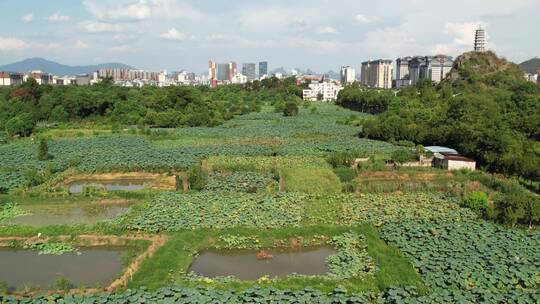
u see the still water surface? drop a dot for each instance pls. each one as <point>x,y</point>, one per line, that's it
<point>89,267</point>
<point>69,214</point>
<point>244,265</point>
<point>109,185</point>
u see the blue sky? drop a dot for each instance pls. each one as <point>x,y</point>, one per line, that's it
<point>319,34</point>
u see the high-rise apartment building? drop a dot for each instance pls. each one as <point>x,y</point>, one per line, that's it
<point>250,71</point>
<point>263,69</point>
<point>416,69</point>
<point>117,74</point>
<point>402,67</point>
<point>221,72</point>
<point>377,74</point>
<point>480,40</point>
<point>434,68</point>
<point>403,78</point>
<point>438,67</point>
<point>348,75</point>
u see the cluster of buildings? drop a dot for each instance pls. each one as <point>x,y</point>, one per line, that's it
<point>42,78</point>
<point>381,73</point>
<point>139,78</point>
<point>408,71</point>
<point>227,73</point>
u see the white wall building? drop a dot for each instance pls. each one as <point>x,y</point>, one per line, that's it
<point>326,91</point>
<point>40,77</point>
<point>239,78</point>
<point>438,67</point>
<point>348,75</point>
<point>453,162</point>
<point>531,77</point>
<point>8,79</point>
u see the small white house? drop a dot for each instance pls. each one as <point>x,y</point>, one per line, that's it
<point>453,162</point>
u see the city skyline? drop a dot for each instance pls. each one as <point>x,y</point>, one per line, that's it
<point>321,35</point>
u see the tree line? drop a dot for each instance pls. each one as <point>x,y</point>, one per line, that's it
<point>23,106</point>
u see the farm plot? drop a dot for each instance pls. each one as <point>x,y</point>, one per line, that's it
<point>310,180</point>
<point>264,163</point>
<point>241,182</point>
<point>380,209</point>
<point>217,210</point>
<point>469,255</point>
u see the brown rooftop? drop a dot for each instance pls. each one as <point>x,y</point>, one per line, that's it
<point>458,158</point>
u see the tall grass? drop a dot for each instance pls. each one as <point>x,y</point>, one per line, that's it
<point>310,180</point>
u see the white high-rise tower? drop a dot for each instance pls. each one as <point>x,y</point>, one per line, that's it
<point>480,40</point>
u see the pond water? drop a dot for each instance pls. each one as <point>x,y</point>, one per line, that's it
<point>109,185</point>
<point>244,265</point>
<point>88,267</point>
<point>57,214</point>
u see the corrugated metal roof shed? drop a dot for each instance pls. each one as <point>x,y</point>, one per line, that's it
<point>439,149</point>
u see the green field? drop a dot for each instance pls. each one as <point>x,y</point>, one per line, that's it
<point>401,235</point>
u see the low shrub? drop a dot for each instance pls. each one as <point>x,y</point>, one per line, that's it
<point>345,174</point>
<point>197,178</point>
<point>342,159</point>
<point>476,201</point>
<point>291,109</point>
<point>61,283</point>
<point>402,156</point>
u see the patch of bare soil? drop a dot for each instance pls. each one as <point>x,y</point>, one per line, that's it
<point>114,202</point>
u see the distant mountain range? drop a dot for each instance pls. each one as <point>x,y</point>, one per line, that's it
<point>55,68</point>
<point>531,66</point>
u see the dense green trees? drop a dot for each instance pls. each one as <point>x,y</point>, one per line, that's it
<point>363,100</point>
<point>21,125</point>
<point>484,109</point>
<point>291,109</point>
<point>23,106</point>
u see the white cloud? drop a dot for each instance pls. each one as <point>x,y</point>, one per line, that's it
<point>326,30</point>
<point>57,17</point>
<point>217,37</point>
<point>100,27</point>
<point>441,49</point>
<point>462,37</point>
<point>27,18</point>
<point>47,46</point>
<point>366,19</point>
<point>390,42</point>
<point>462,32</point>
<point>174,9</point>
<point>122,11</point>
<point>173,34</point>
<point>9,44</point>
<point>80,45</point>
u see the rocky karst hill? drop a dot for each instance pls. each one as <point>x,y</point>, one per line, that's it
<point>483,67</point>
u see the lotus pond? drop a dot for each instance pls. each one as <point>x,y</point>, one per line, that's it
<point>65,214</point>
<point>252,265</point>
<point>25,270</point>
